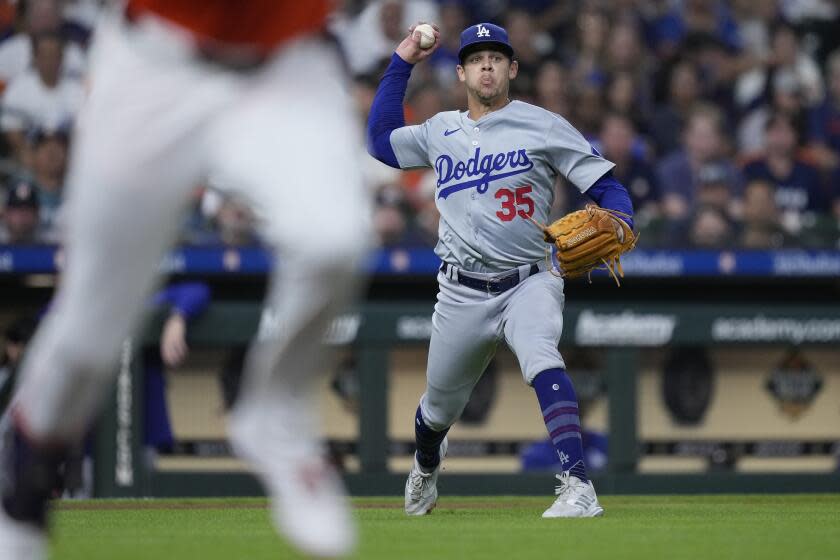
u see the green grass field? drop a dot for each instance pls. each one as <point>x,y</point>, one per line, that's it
<point>792,527</point>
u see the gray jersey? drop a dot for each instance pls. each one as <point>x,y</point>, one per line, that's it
<point>492,174</point>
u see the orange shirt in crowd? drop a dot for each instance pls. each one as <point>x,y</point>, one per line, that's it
<point>261,25</point>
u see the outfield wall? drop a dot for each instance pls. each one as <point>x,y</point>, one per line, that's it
<point>747,440</point>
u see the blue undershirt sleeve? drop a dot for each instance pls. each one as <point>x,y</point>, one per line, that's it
<point>386,112</point>
<point>188,298</point>
<point>609,193</point>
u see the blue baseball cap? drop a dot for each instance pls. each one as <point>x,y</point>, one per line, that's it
<point>484,34</point>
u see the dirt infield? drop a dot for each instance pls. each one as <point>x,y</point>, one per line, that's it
<point>168,504</point>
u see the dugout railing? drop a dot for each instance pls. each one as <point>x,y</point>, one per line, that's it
<point>621,330</point>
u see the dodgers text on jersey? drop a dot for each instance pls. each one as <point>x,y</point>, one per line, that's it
<point>479,169</point>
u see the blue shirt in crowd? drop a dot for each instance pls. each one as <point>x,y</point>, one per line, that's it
<point>801,190</point>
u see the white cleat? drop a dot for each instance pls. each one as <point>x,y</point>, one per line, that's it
<point>575,498</point>
<point>310,507</point>
<point>20,541</point>
<point>308,503</point>
<point>421,492</point>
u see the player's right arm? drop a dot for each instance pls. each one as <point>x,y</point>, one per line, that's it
<point>185,301</point>
<point>407,148</point>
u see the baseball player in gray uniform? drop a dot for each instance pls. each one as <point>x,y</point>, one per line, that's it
<point>496,165</point>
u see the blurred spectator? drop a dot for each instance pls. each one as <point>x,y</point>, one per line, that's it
<point>824,130</point>
<point>761,225</point>
<point>364,89</point>
<point>37,17</point>
<point>669,119</point>
<point>554,18</point>
<point>390,225</point>
<point>808,10</point>
<point>530,48</point>
<point>718,68</point>
<point>629,90</point>
<point>710,228</point>
<point>424,102</point>
<point>20,223</point>
<point>589,109</point>
<point>786,97</point>
<point>755,20</point>
<point>797,184</point>
<point>591,37</point>
<point>821,28</point>
<point>715,187</point>
<point>389,218</point>
<point>551,88</point>
<point>453,20</point>
<point>631,169</point>
<point>486,10</point>
<point>370,38</point>
<point>40,97</point>
<point>426,223</point>
<point>704,143</point>
<point>426,219</point>
<point>623,98</point>
<point>624,49</point>
<point>785,56</point>
<point>695,17</point>
<point>48,153</point>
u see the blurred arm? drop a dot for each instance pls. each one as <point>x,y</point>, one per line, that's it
<point>186,301</point>
<point>188,298</point>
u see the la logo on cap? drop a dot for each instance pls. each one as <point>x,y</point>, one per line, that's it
<point>483,31</point>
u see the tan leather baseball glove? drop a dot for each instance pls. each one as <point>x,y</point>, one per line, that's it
<point>589,239</point>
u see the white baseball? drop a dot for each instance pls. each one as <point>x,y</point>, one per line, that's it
<point>427,35</point>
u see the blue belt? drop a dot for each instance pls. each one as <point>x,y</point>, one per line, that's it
<point>495,286</point>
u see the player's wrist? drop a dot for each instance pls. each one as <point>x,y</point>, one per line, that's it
<point>177,314</point>
<point>402,61</point>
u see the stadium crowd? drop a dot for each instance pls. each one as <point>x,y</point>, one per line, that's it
<point>723,117</point>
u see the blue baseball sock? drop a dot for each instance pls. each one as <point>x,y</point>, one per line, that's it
<point>428,443</point>
<point>560,412</point>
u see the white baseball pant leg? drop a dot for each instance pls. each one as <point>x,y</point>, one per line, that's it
<point>466,328</point>
<point>293,152</point>
<point>133,164</point>
<point>533,324</point>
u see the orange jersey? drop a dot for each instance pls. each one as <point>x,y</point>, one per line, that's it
<point>261,25</point>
